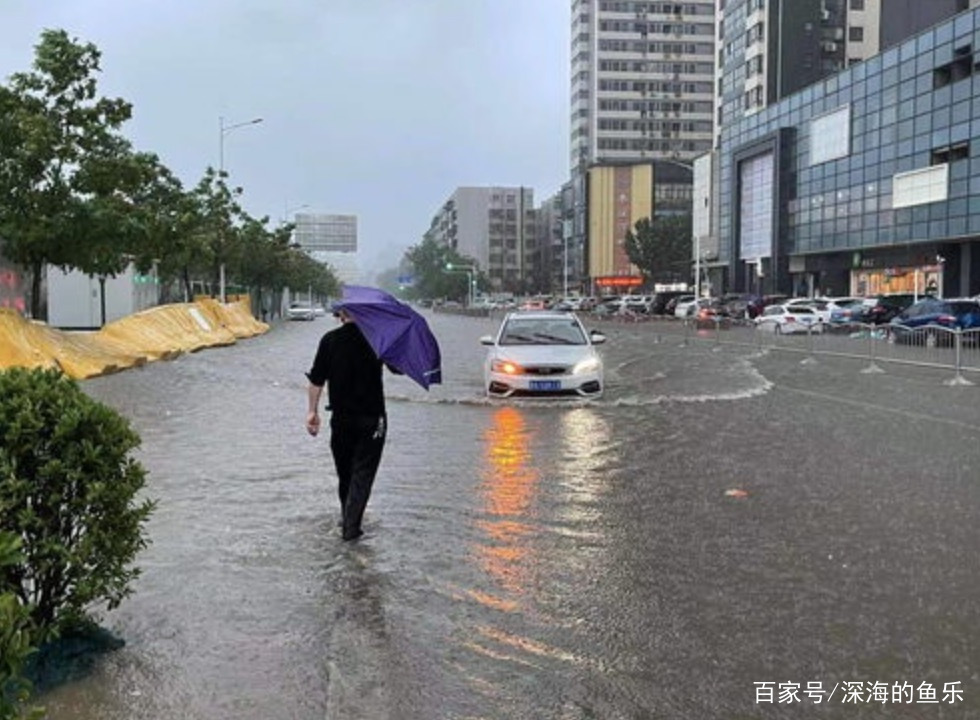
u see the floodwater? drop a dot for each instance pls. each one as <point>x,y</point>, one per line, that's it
<point>719,519</point>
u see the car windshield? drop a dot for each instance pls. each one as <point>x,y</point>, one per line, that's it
<point>540,331</point>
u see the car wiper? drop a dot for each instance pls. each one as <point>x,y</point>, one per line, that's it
<point>508,339</point>
<point>555,339</point>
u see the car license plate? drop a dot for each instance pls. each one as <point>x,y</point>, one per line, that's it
<point>546,385</point>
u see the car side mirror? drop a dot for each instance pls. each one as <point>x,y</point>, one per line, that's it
<point>597,337</point>
<point>486,340</point>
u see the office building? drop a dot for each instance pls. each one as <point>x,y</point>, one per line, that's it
<point>865,182</point>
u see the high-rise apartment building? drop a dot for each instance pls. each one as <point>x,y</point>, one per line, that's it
<point>495,226</point>
<point>642,90</point>
<point>642,80</point>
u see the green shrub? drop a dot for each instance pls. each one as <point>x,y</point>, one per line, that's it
<point>15,639</point>
<point>68,490</point>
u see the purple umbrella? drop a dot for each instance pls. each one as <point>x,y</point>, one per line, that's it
<point>399,335</point>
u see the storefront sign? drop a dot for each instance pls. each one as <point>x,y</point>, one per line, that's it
<point>619,281</point>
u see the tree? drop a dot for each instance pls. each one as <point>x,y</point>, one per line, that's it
<point>430,261</point>
<point>68,490</point>
<point>221,215</point>
<point>58,140</point>
<point>661,248</point>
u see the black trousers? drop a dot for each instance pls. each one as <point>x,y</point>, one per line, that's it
<point>356,443</point>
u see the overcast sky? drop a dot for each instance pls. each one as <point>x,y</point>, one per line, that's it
<point>378,108</point>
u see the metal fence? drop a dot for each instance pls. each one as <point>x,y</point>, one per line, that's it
<point>929,346</point>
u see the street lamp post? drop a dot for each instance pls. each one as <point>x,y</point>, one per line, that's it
<point>697,266</point>
<point>565,269</point>
<point>565,232</point>
<point>222,131</point>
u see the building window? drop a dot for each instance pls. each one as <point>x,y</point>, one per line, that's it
<point>857,5</point>
<point>756,207</point>
<point>960,68</point>
<point>960,151</point>
<point>919,187</point>
<point>855,33</point>
<point>830,136</point>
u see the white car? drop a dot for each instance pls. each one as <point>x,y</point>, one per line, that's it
<point>786,319</point>
<point>300,311</point>
<point>823,306</point>
<point>692,307</point>
<point>683,305</point>
<point>543,354</point>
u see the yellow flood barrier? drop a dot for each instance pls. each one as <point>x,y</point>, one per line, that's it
<point>156,334</point>
<point>19,344</point>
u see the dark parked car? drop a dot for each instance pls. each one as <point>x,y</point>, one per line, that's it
<point>886,307</point>
<point>662,299</point>
<point>756,304</point>
<point>960,314</point>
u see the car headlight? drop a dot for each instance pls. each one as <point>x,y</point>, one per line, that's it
<point>506,367</point>
<point>585,366</point>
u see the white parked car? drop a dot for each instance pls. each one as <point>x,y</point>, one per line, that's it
<point>300,311</point>
<point>823,306</point>
<point>683,305</point>
<point>786,319</point>
<point>693,307</point>
<point>543,354</point>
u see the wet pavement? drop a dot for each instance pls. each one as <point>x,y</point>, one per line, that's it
<point>558,560</point>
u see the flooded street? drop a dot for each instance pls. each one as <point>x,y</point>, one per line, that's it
<point>527,560</point>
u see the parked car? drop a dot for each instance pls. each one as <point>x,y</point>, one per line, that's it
<point>662,299</point>
<point>534,304</point>
<point>693,309</point>
<point>640,304</point>
<point>737,304</point>
<point>943,315</point>
<point>822,306</point>
<point>300,311</point>
<point>671,307</point>
<point>886,307</point>
<point>682,305</point>
<point>543,354</point>
<point>850,312</point>
<point>783,320</point>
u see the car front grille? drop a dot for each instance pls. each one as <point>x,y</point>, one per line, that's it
<point>546,370</point>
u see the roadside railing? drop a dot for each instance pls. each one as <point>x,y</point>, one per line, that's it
<point>929,346</point>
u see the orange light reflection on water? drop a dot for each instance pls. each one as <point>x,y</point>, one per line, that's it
<point>508,488</point>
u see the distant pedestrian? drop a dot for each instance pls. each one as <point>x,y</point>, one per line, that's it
<point>347,364</point>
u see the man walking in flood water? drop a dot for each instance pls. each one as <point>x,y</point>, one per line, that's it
<point>358,422</point>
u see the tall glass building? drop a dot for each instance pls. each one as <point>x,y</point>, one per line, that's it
<point>866,182</point>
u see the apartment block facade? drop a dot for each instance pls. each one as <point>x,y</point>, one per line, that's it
<point>642,90</point>
<point>496,227</point>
